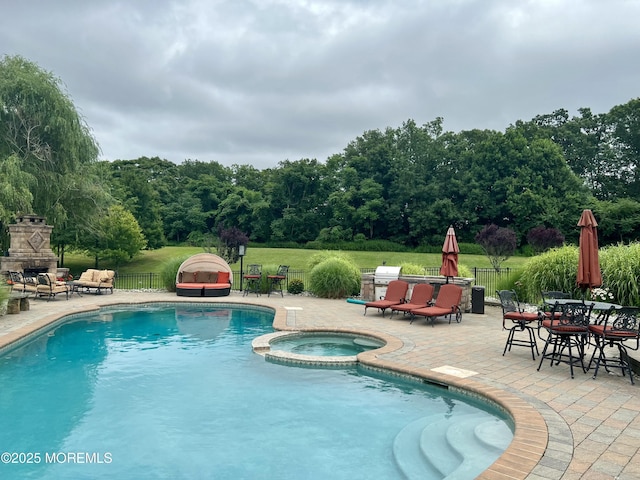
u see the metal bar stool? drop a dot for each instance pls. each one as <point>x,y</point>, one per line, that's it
<point>521,322</point>
<point>621,329</point>
<point>567,327</point>
<point>253,279</point>
<point>276,281</point>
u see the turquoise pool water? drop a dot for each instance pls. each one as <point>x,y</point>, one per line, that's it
<point>172,391</point>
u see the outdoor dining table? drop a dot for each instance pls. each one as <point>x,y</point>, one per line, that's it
<point>600,307</point>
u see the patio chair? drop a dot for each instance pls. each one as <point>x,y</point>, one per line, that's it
<point>276,281</point>
<point>421,296</point>
<point>21,284</point>
<point>620,328</point>
<point>447,304</point>
<point>519,320</point>
<point>49,286</point>
<point>253,279</point>
<point>548,298</point>
<point>395,295</point>
<point>567,328</point>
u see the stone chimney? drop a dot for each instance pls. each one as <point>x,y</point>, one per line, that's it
<point>30,251</point>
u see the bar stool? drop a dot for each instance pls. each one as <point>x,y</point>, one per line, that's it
<point>567,327</point>
<point>521,321</point>
<point>253,279</point>
<point>275,281</point>
<point>620,328</point>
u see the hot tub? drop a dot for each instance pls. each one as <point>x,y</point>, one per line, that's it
<point>315,348</point>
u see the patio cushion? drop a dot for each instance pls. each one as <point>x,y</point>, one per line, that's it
<point>600,330</point>
<point>527,316</point>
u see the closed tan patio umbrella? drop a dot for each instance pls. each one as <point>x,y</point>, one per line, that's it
<point>589,275</point>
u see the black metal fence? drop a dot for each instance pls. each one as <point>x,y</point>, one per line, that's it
<point>486,277</point>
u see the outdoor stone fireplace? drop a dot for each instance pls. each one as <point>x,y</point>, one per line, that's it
<point>30,247</point>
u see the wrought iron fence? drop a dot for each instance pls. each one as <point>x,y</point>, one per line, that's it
<point>486,277</point>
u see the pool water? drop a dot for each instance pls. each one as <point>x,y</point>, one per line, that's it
<point>172,391</point>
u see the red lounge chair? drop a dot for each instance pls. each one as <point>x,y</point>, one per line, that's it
<point>421,296</point>
<point>447,303</point>
<point>396,294</point>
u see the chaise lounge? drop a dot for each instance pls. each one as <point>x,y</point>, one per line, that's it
<point>447,304</point>
<point>395,295</point>
<point>421,296</point>
<point>204,275</point>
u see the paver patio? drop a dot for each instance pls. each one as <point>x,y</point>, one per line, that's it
<point>565,429</point>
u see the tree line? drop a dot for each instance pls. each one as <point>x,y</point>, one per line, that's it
<point>405,184</point>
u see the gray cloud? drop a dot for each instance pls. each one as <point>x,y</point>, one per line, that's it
<point>261,81</point>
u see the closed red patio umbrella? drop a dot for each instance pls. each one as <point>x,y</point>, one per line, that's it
<point>589,274</point>
<point>450,252</point>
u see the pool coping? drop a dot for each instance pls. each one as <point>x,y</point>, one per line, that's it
<point>531,434</point>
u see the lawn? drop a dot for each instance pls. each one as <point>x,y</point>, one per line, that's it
<point>152,261</point>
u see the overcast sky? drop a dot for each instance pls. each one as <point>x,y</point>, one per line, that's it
<point>262,81</point>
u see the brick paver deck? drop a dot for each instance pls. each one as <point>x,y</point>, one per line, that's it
<point>565,429</point>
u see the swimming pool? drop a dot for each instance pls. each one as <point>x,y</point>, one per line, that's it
<point>170,391</point>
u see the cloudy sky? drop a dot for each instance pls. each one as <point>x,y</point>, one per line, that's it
<point>262,81</point>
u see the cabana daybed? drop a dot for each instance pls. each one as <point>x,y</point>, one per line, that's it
<point>204,275</point>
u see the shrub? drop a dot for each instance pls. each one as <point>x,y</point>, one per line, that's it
<point>229,242</point>
<point>511,281</point>
<point>364,245</point>
<point>264,281</point>
<point>320,257</point>
<point>620,267</point>
<point>296,286</point>
<point>5,292</point>
<point>555,269</point>
<point>464,271</point>
<point>170,271</point>
<point>334,278</point>
<point>411,269</point>
<point>359,237</point>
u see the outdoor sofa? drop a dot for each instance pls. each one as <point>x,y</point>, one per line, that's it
<point>96,280</point>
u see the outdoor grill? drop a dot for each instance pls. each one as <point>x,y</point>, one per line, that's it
<point>381,278</point>
<point>385,274</point>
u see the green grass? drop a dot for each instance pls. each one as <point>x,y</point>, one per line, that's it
<point>152,261</point>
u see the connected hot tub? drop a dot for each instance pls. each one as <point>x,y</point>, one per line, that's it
<point>315,348</point>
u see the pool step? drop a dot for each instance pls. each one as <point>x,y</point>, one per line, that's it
<point>441,446</point>
<point>408,454</point>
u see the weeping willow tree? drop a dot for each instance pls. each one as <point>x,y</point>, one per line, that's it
<point>47,154</point>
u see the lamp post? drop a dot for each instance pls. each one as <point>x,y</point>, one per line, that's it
<point>241,253</point>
